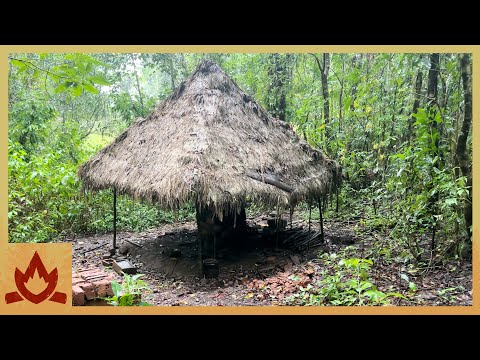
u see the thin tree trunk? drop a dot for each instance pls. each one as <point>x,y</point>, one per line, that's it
<point>324,78</point>
<point>279,72</point>
<point>432,101</point>
<point>138,84</point>
<point>326,101</point>
<point>389,148</point>
<point>416,103</point>
<point>355,86</point>
<point>462,155</point>
<point>340,99</point>
<point>172,71</point>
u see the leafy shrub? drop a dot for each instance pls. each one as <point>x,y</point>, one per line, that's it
<point>46,201</point>
<point>129,292</point>
<point>346,283</point>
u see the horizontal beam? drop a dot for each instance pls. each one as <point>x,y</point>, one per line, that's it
<point>267,179</point>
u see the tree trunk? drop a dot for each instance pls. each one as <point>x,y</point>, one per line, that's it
<point>462,156</point>
<point>432,101</point>
<point>433,79</point>
<point>140,95</point>
<point>279,72</point>
<point>326,101</point>
<point>324,78</point>
<point>215,234</point>
<point>416,103</point>
<point>355,85</point>
<point>340,99</point>
<point>172,71</point>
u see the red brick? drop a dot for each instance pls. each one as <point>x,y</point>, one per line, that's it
<point>78,296</point>
<point>80,284</point>
<point>77,280</point>
<point>110,276</point>
<point>103,288</point>
<point>88,289</point>
<point>94,278</point>
<point>89,270</point>
<point>92,274</point>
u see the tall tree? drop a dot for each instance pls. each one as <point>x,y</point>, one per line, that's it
<point>324,68</point>
<point>355,59</point>
<point>139,88</point>
<point>432,92</point>
<point>416,103</point>
<point>461,152</point>
<point>279,73</point>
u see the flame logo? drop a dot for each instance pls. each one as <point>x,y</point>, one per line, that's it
<point>50,279</point>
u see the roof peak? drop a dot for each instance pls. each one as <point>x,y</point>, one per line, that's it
<point>207,66</point>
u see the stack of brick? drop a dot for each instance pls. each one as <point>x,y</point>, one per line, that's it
<point>91,283</point>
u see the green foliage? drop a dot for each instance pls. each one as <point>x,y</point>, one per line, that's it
<point>449,294</point>
<point>46,200</point>
<point>129,292</point>
<point>401,177</point>
<point>41,195</point>
<point>346,283</point>
<point>73,76</point>
<point>423,177</point>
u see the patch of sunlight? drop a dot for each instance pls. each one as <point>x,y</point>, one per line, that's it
<point>94,142</point>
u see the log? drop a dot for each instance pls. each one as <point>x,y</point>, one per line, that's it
<point>268,179</point>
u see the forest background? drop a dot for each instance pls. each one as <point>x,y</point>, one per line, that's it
<point>398,124</point>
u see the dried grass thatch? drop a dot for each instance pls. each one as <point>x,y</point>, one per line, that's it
<point>207,143</point>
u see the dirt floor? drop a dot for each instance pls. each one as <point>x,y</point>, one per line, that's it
<point>260,272</point>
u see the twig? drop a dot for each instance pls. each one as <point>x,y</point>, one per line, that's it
<point>133,243</point>
<point>31,65</point>
<point>95,248</point>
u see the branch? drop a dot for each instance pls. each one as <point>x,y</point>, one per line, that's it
<point>338,77</point>
<point>318,62</point>
<point>31,65</point>
<point>268,180</point>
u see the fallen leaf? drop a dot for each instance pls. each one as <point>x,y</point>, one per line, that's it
<point>249,295</point>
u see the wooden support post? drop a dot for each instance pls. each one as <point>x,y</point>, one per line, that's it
<point>336,193</point>
<point>309,216</point>
<point>321,219</point>
<point>291,217</point>
<point>276,233</point>
<point>114,248</point>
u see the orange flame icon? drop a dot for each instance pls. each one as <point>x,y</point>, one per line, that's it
<point>50,279</point>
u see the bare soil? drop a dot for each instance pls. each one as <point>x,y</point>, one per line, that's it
<point>178,281</point>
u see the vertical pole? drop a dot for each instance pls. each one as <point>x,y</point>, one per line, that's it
<point>277,223</point>
<point>276,235</point>
<point>309,216</point>
<point>114,249</point>
<point>321,219</point>
<point>291,218</point>
<point>214,244</point>
<point>336,193</point>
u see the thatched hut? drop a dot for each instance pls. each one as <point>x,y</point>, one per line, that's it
<point>211,144</point>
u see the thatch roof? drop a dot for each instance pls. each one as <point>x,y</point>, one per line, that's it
<point>210,142</point>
